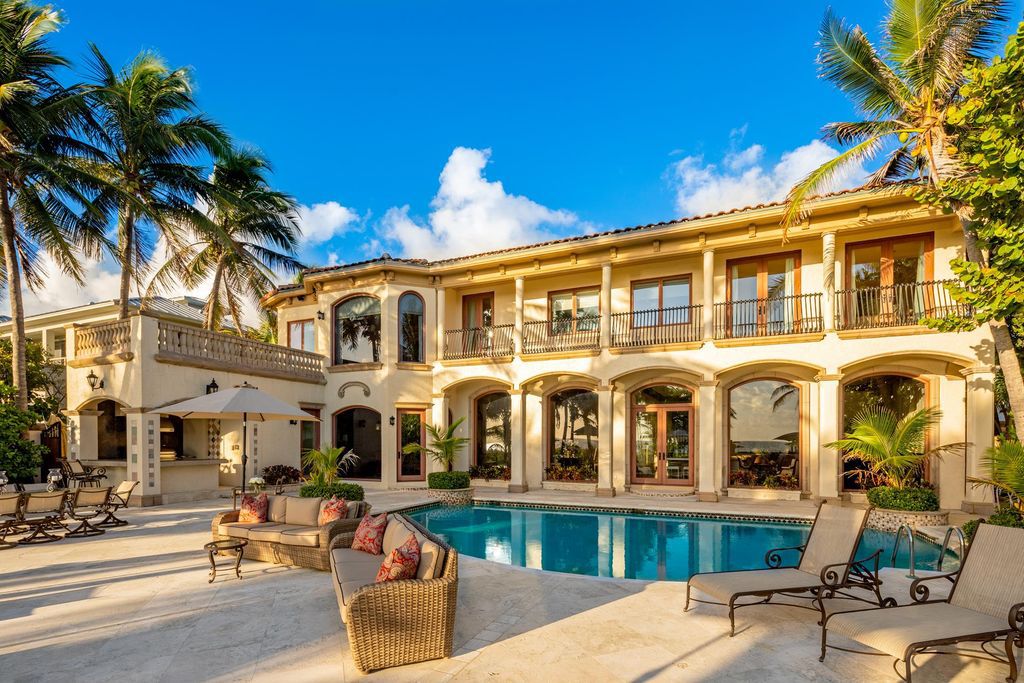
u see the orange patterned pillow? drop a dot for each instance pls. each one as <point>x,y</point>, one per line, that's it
<point>333,510</point>
<point>370,534</point>
<point>401,563</point>
<point>253,510</point>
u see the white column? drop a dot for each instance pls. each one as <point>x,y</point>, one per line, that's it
<point>518,482</point>
<point>82,434</point>
<point>606,305</point>
<point>441,296</point>
<point>980,428</point>
<point>46,339</point>
<point>605,422</point>
<point>517,331</point>
<point>439,418</point>
<point>828,280</point>
<point>829,469</point>
<point>533,437</point>
<point>707,439</point>
<point>708,286</point>
<point>143,441</point>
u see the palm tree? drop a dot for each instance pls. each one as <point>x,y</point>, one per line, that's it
<point>257,232</point>
<point>904,92</point>
<point>1005,465</point>
<point>151,134</point>
<point>444,444</point>
<point>43,179</point>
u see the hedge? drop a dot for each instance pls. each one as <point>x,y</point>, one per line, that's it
<point>448,480</point>
<point>910,499</point>
<point>340,489</point>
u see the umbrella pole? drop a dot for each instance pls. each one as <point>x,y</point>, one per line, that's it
<point>245,429</point>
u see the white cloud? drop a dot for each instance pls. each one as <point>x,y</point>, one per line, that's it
<point>471,214</point>
<point>102,283</point>
<point>321,222</point>
<point>742,180</point>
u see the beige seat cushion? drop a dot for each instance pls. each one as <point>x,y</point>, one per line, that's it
<point>276,506</point>
<point>272,532</point>
<point>352,569</point>
<point>723,585</point>
<point>303,511</point>
<point>892,630</point>
<point>395,534</point>
<point>308,536</point>
<point>241,529</point>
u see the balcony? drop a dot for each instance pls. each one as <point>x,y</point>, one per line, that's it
<point>768,317</point>
<point>108,340</point>
<point>479,342</point>
<point>562,334</point>
<point>656,327</point>
<point>895,305</point>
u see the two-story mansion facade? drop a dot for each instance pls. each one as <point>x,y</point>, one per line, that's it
<point>705,355</point>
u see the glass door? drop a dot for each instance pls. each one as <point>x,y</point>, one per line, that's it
<point>662,441</point>
<point>677,446</point>
<point>646,458</point>
<point>477,320</point>
<point>411,466</point>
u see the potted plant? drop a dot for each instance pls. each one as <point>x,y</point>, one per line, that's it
<point>1005,465</point>
<point>892,451</point>
<point>324,467</point>
<point>448,487</point>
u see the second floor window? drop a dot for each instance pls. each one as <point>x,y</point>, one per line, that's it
<point>357,330</point>
<point>410,328</point>
<point>575,310</point>
<point>661,302</point>
<point>301,335</point>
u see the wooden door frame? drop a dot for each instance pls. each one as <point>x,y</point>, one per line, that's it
<point>661,298</point>
<point>660,408</point>
<point>423,439</point>
<point>478,296</point>
<point>885,265</point>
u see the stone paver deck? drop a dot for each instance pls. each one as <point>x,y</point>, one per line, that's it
<point>134,604</point>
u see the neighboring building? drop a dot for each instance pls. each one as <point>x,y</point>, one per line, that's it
<point>703,355</point>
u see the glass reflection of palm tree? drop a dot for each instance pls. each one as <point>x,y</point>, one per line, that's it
<point>352,331</point>
<point>498,421</point>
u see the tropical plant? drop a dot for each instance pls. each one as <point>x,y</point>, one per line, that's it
<point>892,449</point>
<point>1005,466</point>
<point>1005,516</point>
<point>906,92</point>
<point>448,480</point>
<point>444,444</point>
<point>276,475</point>
<point>19,457</point>
<point>151,136</point>
<point>257,233</point>
<point>44,377</point>
<point>326,464</point>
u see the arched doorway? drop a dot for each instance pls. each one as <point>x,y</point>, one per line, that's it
<point>111,431</point>
<point>492,430</point>
<point>661,435</point>
<point>358,430</point>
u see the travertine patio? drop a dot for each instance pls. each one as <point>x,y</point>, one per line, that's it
<point>134,604</point>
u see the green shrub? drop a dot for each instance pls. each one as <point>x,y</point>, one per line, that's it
<point>915,499</point>
<point>1005,516</point>
<point>581,473</point>
<point>448,480</point>
<point>488,472</point>
<point>18,456</point>
<point>341,489</point>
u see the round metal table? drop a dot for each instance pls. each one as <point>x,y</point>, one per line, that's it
<point>236,544</point>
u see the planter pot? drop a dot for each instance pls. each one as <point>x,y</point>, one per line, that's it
<point>569,486</point>
<point>891,520</point>
<point>452,496</point>
<point>763,494</point>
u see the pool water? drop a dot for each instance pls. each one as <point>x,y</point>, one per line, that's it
<point>631,546</point>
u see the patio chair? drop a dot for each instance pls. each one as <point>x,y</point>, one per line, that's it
<point>85,506</point>
<point>986,604</point>
<point>826,570</point>
<point>42,511</point>
<point>75,471</point>
<point>119,498</point>
<point>10,509</point>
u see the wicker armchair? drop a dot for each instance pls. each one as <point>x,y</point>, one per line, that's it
<point>400,622</point>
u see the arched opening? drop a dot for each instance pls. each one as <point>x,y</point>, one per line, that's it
<point>662,435</point>
<point>358,430</point>
<point>357,330</point>
<point>764,434</point>
<point>111,431</point>
<point>410,328</point>
<point>572,419</point>
<point>899,393</point>
<point>492,433</point>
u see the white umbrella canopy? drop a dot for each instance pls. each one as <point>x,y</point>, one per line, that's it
<point>244,403</point>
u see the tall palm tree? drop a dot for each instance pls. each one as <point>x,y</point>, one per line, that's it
<point>44,185</point>
<point>257,233</point>
<point>904,91</point>
<point>153,136</point>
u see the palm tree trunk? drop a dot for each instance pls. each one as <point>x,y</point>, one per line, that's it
<point>210,320</point>
<point>236,314</point>
<point>19,363</point>
<point>127,232</point>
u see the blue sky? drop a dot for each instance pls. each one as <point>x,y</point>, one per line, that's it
<point>597,115</point>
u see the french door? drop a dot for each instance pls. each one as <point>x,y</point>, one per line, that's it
<point>762,295</point>
<point>477,322</point>
<point>663,444</point>
<point>411,430</point>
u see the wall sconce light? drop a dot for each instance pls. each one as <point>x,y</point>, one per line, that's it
<point>391,420</point>
<point>319,315</point>
<point>95,382</point>
<point>212,387</point>
<point>293,422</point>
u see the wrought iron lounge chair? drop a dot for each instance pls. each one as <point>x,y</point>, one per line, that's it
<point>10,522</point>
<point>41,512</point>
<point>119,498</point>
<point>986,604</point>
<point>75,471</point>
<point>826,570</point>
<point>85,506</point>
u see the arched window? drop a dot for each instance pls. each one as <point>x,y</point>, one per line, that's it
<point>902,395</point>
<point>357,330</point>
<point>493,433</point>
<point>358,430</point>
<point>572,435</point>
<point>410,328</point>
<point>764,434</point>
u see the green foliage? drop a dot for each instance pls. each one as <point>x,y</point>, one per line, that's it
<point>1005,466</point>
<point>916,499</point>
<point>19,457</point>
<point>581,472</point>
<point>444,445</point>
<point>1004,516</point>
<point>448,480</point>
<point>45,377</point>
<point>325,465</point>
<point>341,489</point>
<point>281,474</point>
<point>499,472</point>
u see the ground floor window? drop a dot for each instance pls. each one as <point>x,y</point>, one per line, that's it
<point>764,434</point>
<point>358,430</point>
<point>412,428</point>
<point>492,446</point>
<point>572,435</point>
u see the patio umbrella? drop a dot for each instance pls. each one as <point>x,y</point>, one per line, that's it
<point>244,403</point>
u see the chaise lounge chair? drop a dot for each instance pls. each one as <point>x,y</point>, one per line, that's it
<point>119,498</point>
<point>986,604</point>
<point>826,569</point>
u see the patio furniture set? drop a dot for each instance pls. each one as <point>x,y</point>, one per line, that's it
<point>40,516</point>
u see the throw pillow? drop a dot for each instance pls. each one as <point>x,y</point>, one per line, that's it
<point>401,563</point>
<point>254,509</point>
<point>370,534</point>
<point>333,510</point>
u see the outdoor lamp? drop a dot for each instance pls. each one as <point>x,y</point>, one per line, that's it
<point>53,479</point>
<point>95,382</point>
<point>391,420</point>
<point>319,315</point>
<point>212,387</point>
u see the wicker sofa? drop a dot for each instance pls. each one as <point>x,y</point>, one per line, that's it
<point>396,622</point>
<point>291,535</point>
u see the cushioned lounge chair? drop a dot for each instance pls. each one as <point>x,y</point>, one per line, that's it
<point>119,498</point>
<point>75,471</point>
<point>826,570</point>
<point>42,512</point>
<point>10,513</point>
<point>986,604</point>
<point>86,505</point>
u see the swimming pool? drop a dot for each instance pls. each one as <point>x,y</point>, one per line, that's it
<point>631,546</point>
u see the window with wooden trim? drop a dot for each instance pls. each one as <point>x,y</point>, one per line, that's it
<point>575,310</point>
<point>302,335</point>
<point>664,301</point>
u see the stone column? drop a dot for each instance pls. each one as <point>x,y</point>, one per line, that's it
<point>708,298</point>
<point>606,305</point>
<point>829,461</point>
<point>605,432</point>
<point>533,438</point>
<point>517,330</point>
<point>707,439</point>
<point>143,441</point>
<point>980,435</point>
<point>82,434</point>
<point>441,295</point>
<point>438,418</point>
<point>828,280</point>
<point>518,482</point>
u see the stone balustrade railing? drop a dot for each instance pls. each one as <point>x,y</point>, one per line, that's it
<point>103,339</point>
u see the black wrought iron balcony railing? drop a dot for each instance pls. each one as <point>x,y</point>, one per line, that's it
<point>656,326</point>
<point>478,342</point>
<point>895,305</point>
<point>768,317</point>
<point>562,334</point>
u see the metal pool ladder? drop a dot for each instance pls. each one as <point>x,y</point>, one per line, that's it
<point>910,541</point>
<point>945,546</point>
